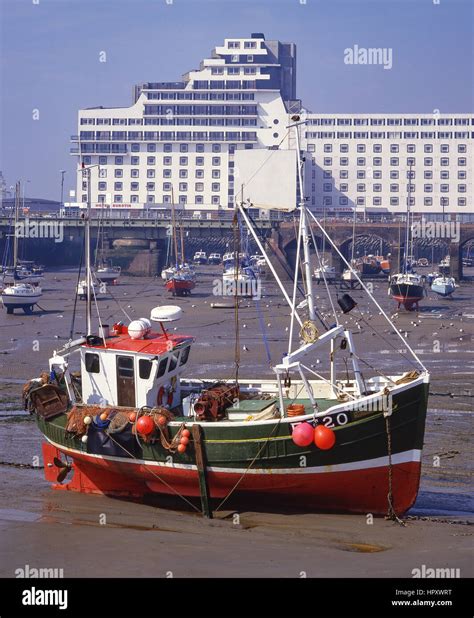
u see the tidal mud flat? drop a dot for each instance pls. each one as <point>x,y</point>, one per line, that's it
<point>42,527</point>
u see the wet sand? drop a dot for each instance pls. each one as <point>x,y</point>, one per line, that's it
<point>42,527</point>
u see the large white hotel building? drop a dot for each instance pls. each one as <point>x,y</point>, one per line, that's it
<point>178,141</point>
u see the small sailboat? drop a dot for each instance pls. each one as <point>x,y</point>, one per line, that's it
<point>444,285</point>
<point>324,272</point>
<point>180,279</point>
<point>407,287</point>
<point>104,270</point>
<point>20,293</point>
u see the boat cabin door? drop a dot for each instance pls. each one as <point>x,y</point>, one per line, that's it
<point>125,381</point>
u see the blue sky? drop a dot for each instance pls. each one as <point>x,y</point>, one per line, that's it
<point>50,61</point>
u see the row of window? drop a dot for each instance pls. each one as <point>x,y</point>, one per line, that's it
<point>198,96</point>
<point>233,70</point>
<point>394,187</point>
<point>392,121</point>
<point>125,364</point>
<point>378,161</point>
<point>151,199</point>
<point>202,110</point>
<point>394,201</point>
<point>167,122</point>
<point>388,135</point>
<point>246,44</point>
<point>444,148</point>
<point>394,174</point>
<point>150,186</point>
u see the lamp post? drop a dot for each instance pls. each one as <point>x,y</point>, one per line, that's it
<point>62,172</point>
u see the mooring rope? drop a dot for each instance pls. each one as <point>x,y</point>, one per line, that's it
<point>391,514</point>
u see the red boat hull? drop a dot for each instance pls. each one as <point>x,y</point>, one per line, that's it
<point>359,487</point>
<point>180,287</point>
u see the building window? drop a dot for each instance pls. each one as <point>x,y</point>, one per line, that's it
<point>428,161</point>
<point>198,199</point>
<point>428,188</point>
<point>135,148</point>
<point>183,173</point>
<point>150,186</point>
<point>216,173</point>
<point>461,188</point>
<point>462,201</point>
<point>215,199</point>
<point>343,201</point>
<point>199,173</point>
<point>444,175</point>
<point>394,161</point>
<point>462,148</point>
<point>215,161</point>
<point>411,148</point>
<point>102,160</point>
<point>462,175</point>
<point>411,161</point>
<point>377,188</point>
<point>327,147</point>
<point>343,187</point>
<point>444,148</point>
<point>151,147</point>
<point>360,187</point>
<point>327,200</point>
<point>118,173</point>
<point>118,161</point>
<point>360,173</point>
<point>377,174</point>
<point>444,188</point>
<point>428,148</point>
<point>327,174</point>
<point>361,201</point>
<point>377,201</point>
<point>118,186</point>
<point>150,161</point>
<point>118,199</point>
<point>393,174</point>
<point>216,148</point>
<point>199,147</point>
<point>183,199</point>
<point>134,186</point>
<point>461,161</point>
<point>327,187</point>
<point>102,186</point>
<point>183,186</point>
<point>360,147</point>
<point>444,161</point>
<point>167,147</point>
<point>102,173</point>
<point>377,161</point>
<point>183,160</point>
<point>199,186</point>
<point>444,201</point>
<point>150,173</point>
<point>410,174</point>
<point>394,188</point>
<point>428,201</point>
<point>428,175</point>
<point>344,148</point>
<point>360,160</point>
<point>166,174</point>
<point>377,148</point>
<point>344,174</point>
<point>166,186</point>
<point>344,161</point>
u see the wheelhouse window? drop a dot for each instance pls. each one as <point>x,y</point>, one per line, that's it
<point>144,368</point>
<point>184,356</point>
<point>125,366</point>
<point>92,363</point>
<point>173,361</point>
<point>162,367</point>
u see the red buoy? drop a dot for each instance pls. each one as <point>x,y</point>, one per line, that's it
<point>186,433</point>
<point>145,425</point>
<point>162,420</point>
<point>184,440</point>
<point>132,417</point>
<point>181,448</point>
<point>324,437</point>
<point>303,434</point>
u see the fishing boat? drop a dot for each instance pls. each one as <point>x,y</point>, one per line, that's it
<point>324,272</point>
<point>180,277</point>
<point>445,265</point>
<point>368,265</point>
<point>200,257</point>
<point>132,424</point>
<point>108,273</point>
<point>215,258</point>
<point>407,287</point>
<point>444,285</point>
<point>181,283</point>
<point>18,292</point>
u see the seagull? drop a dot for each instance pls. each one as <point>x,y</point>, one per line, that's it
<point>245,348</point>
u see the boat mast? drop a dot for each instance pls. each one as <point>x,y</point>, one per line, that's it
<point>408,235</point>
<point>87,252</point>
<point>173,225</point>
<point>304,225</point>
<point>353,234</point>
<point>15,227</point>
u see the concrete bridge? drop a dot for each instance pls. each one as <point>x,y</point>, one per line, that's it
<point>139,244</point>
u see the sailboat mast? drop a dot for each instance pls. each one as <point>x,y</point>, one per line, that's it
<point>353,234</point>
<point>304,229</point>
<point>87,251</point>
<point>173,225</point>
<point>407,237</point>
<point>15,227</point>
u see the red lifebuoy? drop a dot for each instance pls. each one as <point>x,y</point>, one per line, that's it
<point>159,397</point>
